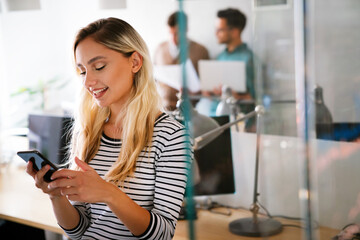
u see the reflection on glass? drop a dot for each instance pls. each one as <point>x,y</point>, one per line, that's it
<point>323,118</point>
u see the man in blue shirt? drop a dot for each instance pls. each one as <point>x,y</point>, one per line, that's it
<point>229,26</point>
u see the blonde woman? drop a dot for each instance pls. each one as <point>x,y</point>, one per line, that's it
<point>129,160</point>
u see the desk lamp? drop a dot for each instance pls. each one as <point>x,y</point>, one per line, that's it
<point>201,124</point>
<point>253,226</point>
<point>228,104</point>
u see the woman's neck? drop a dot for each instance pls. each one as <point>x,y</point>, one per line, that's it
<point>112,130</point>
<point>114,123</point>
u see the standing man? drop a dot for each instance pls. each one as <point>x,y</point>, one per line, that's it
<point>167,53</point>
<point>229,26</point>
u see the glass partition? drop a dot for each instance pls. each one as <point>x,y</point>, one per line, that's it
<point>333,62</point>
<point>306,62</point>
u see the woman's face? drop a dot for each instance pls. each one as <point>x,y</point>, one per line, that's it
<point>107,74</point>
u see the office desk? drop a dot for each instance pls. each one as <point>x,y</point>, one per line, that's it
<point>212,226</point>
<point>22,202</point>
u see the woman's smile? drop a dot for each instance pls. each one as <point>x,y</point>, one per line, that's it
<point>99,92</point>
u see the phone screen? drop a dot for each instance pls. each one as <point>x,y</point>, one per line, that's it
<point>38,161</point>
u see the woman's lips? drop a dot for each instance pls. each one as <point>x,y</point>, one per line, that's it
<point>99,92</point>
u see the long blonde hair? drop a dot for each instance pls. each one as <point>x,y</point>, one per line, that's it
<point>140,111</point>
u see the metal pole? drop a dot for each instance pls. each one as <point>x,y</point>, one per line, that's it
<point>255,208</point>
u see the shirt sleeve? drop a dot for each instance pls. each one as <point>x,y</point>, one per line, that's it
<point>170,183</point>
<point>84,222</point>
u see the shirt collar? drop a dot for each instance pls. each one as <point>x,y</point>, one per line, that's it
<point>238,48</point>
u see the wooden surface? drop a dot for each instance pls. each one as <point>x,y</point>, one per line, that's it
<point>22,202</point>
<point>211,226</point>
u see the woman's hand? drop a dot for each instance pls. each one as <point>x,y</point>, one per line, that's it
<point>39,180</point>
<point>85,185</point>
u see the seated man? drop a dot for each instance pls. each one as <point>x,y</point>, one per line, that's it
<point>167,53</point>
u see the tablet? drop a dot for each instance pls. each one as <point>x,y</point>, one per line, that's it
<point>171,75</point>
<point>213,73</point>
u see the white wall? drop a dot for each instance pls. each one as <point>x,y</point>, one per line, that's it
<point>335,167</point>
<point>38,43</point>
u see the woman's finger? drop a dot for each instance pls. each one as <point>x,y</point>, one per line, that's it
<point>74,197</point>
<point>40,174</point>
<point>62,183</point>
<point>69,191</point>
<point>40,180</point>
<point>83,165</point>
<point>30,170</point>
<point>64,173</point>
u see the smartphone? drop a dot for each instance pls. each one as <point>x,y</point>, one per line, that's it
<point>38,161</point>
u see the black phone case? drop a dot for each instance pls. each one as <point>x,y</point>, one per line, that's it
<point>38,161</point>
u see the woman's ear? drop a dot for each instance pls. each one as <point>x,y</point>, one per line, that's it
<point>137,61</point>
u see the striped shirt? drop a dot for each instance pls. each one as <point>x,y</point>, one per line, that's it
<point>157,185</point>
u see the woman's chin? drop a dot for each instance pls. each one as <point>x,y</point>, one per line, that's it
<point>102,104</point>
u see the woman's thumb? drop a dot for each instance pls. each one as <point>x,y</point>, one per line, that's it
<point>82,165</point>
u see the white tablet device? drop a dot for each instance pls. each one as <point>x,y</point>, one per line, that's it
<point>213,73</point>
<point>171,75</point>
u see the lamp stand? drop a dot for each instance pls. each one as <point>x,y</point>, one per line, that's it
<point>255,226</point>
<point>261,228</point>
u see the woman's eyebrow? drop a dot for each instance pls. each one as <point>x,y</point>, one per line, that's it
<point>95,59</point>
<point>92,60</point>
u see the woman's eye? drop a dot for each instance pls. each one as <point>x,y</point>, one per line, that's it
<point>82,73</point>
<point>99,68</point>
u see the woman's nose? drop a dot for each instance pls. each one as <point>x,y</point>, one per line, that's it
<point>89,80</point>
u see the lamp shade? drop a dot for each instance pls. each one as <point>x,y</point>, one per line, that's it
<point>224,107</point>
<point>201,124</point>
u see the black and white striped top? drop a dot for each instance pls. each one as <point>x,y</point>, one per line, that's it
<point>158,185</point>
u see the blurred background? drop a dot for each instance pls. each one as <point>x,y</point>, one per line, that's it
<point>307,78</point>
